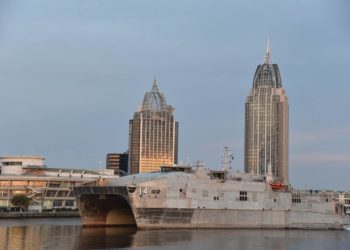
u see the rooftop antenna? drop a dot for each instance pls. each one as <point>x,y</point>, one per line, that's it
<point>226,159</point>
<point>155,85</point>
<point>267,58</point>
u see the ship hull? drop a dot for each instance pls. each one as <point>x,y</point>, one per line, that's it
<point>156,218</point>
<point>197,201</point>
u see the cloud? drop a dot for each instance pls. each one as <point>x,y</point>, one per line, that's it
<point>320,158</point>
<point>318,135</point>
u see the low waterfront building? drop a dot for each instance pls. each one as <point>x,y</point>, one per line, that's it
<point>48,188</point>
<point>118,162</point>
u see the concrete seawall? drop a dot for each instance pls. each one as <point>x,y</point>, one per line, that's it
<point>7,215</point>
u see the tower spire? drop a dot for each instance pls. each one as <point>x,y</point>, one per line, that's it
<point>267,58</point>
<point>155,85</point>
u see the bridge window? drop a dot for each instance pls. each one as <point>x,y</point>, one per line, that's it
<point>219,175</point>
<point>243,195</point>
<point>12,163</point>
<point>296,198</point>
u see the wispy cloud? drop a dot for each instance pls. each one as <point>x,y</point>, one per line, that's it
<point>319,135</point>
<point>320,158</point>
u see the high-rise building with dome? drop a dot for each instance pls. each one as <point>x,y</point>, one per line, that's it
<point>153,134</point>
<point>266,123</point>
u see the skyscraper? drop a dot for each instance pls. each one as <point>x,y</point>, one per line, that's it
<point>266,123</point>
<point>153,134</point>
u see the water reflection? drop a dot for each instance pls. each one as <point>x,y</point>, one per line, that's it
<point>69,234</point>
<point>38,236</point>
<point>106,237</point>
<point>129,237</point>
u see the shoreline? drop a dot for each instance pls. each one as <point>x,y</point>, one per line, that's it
<point>63,214</point>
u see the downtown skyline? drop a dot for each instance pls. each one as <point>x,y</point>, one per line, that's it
<point>71,77</point>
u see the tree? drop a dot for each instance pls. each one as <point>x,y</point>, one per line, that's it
<point>21,201</point>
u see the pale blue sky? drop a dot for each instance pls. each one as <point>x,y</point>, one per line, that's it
<point>73,72</point>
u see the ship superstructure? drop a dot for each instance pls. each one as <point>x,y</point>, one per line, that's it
<point>186,197</point>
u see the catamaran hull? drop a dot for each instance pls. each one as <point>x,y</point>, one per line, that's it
<point>153,218</point>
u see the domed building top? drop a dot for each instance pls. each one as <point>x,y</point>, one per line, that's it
<point>154,100</point>
<point>267,73</point>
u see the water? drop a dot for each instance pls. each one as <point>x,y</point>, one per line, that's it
<point>69,234</point>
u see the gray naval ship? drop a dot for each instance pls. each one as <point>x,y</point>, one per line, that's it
<point>197,197</point>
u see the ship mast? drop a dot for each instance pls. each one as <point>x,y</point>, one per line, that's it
<point>226,159</point>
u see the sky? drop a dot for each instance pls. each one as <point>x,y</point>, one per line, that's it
<point>73,72</point>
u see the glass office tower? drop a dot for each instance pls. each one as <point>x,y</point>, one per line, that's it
<point>153,134</point>
<point>266,123</point>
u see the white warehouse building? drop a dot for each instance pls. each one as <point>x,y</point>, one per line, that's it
<point>48,188</point>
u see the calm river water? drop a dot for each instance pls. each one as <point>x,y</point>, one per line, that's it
<point>69,234</point>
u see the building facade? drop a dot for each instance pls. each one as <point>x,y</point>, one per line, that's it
<point>266,123</point>
<point>118,162</point>
<point>153,134</point>
<point>47,188</point>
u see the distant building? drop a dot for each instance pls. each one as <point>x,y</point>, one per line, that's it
<point>153,134</point>
<point>118,162</point>
<point>266,123</point>
<point>48,188</point>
